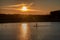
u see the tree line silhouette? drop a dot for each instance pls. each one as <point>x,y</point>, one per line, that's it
<point>53,17</point>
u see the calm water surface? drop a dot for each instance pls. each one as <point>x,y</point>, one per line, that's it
<point>30,31</point>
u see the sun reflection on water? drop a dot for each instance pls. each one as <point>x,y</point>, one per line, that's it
<point>24,32</point>
<point>24,29</point>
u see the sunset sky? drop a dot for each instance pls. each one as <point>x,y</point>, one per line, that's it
<point>37,7</point>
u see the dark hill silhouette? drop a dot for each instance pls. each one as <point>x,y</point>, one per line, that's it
<point>55,15</point>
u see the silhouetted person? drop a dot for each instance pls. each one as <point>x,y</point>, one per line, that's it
<point>36,26</point>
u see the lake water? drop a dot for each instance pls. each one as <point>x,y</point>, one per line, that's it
<point>30,31</point>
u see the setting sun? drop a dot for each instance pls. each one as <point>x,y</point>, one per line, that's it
<point>24,8</point>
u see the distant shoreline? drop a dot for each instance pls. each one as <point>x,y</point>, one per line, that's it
<point>53,17</point>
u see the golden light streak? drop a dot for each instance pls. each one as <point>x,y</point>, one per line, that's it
<point>24,26</point>
<point>24,32</point>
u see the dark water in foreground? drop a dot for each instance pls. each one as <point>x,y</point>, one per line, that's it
<point>28,31</point>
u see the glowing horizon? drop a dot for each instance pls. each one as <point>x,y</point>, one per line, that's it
<point>38,7</point>
<point>22,9</point>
